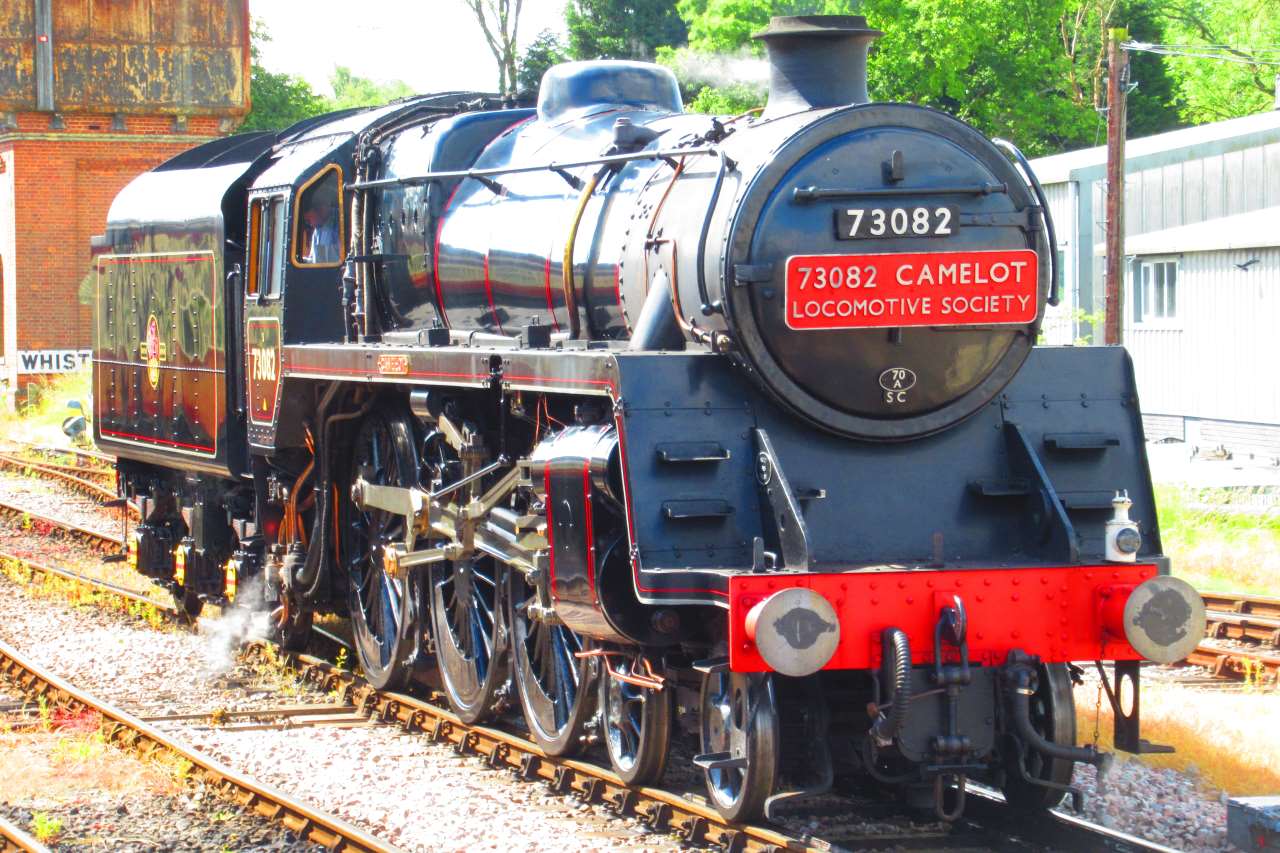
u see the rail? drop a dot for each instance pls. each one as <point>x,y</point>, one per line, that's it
<point>12,838</point>
<point>96,539</point>
<point>61,473</point>
<point>656,808</point>
<point>129,732</point>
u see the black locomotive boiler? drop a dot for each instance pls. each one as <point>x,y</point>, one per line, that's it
<point>650,422</point>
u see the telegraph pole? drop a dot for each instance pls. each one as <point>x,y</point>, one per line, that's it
<point>1117,85</point>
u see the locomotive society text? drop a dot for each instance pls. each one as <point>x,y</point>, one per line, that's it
<point>912,289</point>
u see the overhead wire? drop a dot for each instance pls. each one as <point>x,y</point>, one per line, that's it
<point>1221,53</point>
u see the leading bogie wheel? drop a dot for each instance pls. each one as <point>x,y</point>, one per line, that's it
<point>386,611</point>
<point>1053,715</point>
<point>554,682</point>
<point>637,722</point>
<point>739,728</point>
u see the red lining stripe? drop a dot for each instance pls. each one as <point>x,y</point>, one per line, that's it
<point>159,259</point>
<point>426,374</point>
<point>631,527</point>
<point>152,440</point>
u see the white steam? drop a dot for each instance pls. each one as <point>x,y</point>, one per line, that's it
<point>719,69</point>
<point>222,637</point>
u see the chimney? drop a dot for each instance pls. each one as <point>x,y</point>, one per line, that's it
<point>816,61</point>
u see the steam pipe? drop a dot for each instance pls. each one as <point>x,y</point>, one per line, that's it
<point>707,307</point>
<point>897,666</point>
<point>1022,688</point>
<point>566,270</point>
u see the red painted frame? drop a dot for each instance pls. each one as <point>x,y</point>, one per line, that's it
<point>1054,612</point>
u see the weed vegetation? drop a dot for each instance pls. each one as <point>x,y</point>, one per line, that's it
<point>41,421</point>
<point>1222,540</point>
<point>1223,736</point>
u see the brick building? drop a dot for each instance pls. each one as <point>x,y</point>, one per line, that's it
<point>92,93</point>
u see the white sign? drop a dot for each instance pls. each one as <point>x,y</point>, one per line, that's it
<point>53,360</point>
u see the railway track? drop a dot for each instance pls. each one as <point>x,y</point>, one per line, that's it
<point>1253,621</point>
<point>14,840</point>
<point>41,524</point>
<point>129,732</point>
<point>989,823</point>
<point>1250,666</point>
<point>73,478</point>
<point>1242,617</point>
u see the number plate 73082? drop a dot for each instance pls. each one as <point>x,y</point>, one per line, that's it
<point>878,223</point>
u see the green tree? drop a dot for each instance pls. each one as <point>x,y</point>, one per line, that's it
<point>350,90</point>
<point>278,100</point>
<point>622,29</point>
<point>1244,34</point>
<point>545,51</point>
<point>1030,70</point>
<point>1153,104</point>
<point>732,99</point>
<point>726,26</point>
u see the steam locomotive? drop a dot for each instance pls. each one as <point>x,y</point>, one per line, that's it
<point>650,422</point>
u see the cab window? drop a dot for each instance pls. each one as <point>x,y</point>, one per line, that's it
<point>317,235</point>
<point>266,258</point>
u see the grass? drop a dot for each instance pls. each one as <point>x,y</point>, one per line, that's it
<point>1217,546</point>
<point>45,827</point>
<point>1224,740</point>
<point>79,596</point>
<point>41,423</point>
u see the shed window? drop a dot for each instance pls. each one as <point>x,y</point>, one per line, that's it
<point>1155,291</point>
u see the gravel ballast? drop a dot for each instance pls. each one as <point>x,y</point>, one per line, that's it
<point>411,793</point>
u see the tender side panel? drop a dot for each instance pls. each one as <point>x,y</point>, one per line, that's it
<point>159,374</point>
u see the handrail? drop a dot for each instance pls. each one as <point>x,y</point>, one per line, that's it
<point>607,160</point>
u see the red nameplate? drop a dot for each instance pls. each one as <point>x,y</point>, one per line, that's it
<point>912,289</point>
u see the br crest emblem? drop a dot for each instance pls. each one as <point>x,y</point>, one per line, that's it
<point>153,351</point>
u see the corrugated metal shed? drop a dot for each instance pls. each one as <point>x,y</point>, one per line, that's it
<point>1216,360</point>
<point>1059,167</point>
<point>1258,229</point>
<point>1171,179</point>
<point>1201,205</point>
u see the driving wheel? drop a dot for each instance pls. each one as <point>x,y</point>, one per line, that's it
<point>385,610</point>
<point>466,611</point>
<point>554,683</point>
